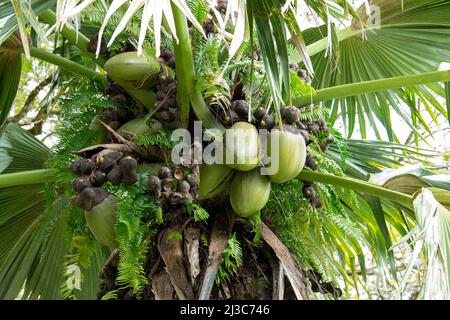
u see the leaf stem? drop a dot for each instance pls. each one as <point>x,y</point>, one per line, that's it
<point>358,88</point>
<point>357,185</point>
<point>26,177</point>
<point>64,63</point>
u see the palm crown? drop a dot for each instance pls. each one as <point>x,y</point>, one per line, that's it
<point>384,65</point>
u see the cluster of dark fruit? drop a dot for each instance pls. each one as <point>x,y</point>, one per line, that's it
<point>116,93</point>
<point>115,118</point>
<point>166,103</point>
<point>167,57</point>
<point>317,285</point>
<point>222,6</point>
<point>92,46</point>
<point>237,112</point>
<point>310,193</point>
<point>209,26</point>
<point>174,185</point>
<point>107,166</point>
<point>300,73</point>
<point>319,127</point>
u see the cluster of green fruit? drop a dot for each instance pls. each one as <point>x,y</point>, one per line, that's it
<point>249,190</point>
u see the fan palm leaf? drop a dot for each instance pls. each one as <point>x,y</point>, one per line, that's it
<point>413,37</point>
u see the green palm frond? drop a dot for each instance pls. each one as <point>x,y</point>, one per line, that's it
<point>413,38</point>
<point>10,69</point>
<point>359,158</point>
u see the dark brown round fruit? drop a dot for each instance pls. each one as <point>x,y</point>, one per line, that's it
<point>241,107</point>
<point>160,95</point>
<point>165,116</point>
<point>259,113</point>
<point>323,146</point>
<point>192,179</point>
<point>85,200</point>
<point>154,184</point>
<point>115,175</point>
<point>98,179</point>
<point>209,27</point>
<point>167,54</point>
<point>128,165</point>
<point>120,98</point>
<point>183,186</point>
<point>130,178</point>
<point>310,162</point>
<point>75,166</point>
<point>231,117</point>
<point>166,184</point>
<point>87,166</point>
<point>316,203</point>
<point>267,122</point>
<point>291,115</point>
<point>171,63</point>
<point>121,115</point>
<point>164,172</point>
<point>114,125</point>
<point>175,198</point>
<point>106,162</point>
<point>80,183</point>
<point>309,192</point>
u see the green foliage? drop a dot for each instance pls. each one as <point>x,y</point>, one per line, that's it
<point>174,235</point>
<point>112,295</point>
<point>232,259</point>
<point>314,236</point>
<point>136,216</point>
<point>197,212</point>
<point>300,87</point>
<point>160,138</point>
<point>313,113</point>
<point>74,130</point>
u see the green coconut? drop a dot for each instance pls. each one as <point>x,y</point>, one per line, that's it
<point>101,220</point>
<point>249,192</point>
<point>214,179</point>
<point>242,146</point>
<point>291,155</point>
<point>132,70</point>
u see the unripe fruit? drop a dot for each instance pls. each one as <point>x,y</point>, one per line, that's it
<point>287,152</point>
<point>242,146</point>
<point>249,192</point>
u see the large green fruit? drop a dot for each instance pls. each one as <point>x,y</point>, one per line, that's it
<point>249,192</point>
<point>132,70</point>
<point>242,146</point>
<point>291,149</point>
<point>101,220</point>
<point>214,179</point>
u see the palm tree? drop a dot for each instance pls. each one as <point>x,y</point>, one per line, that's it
<point>347,208</point>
